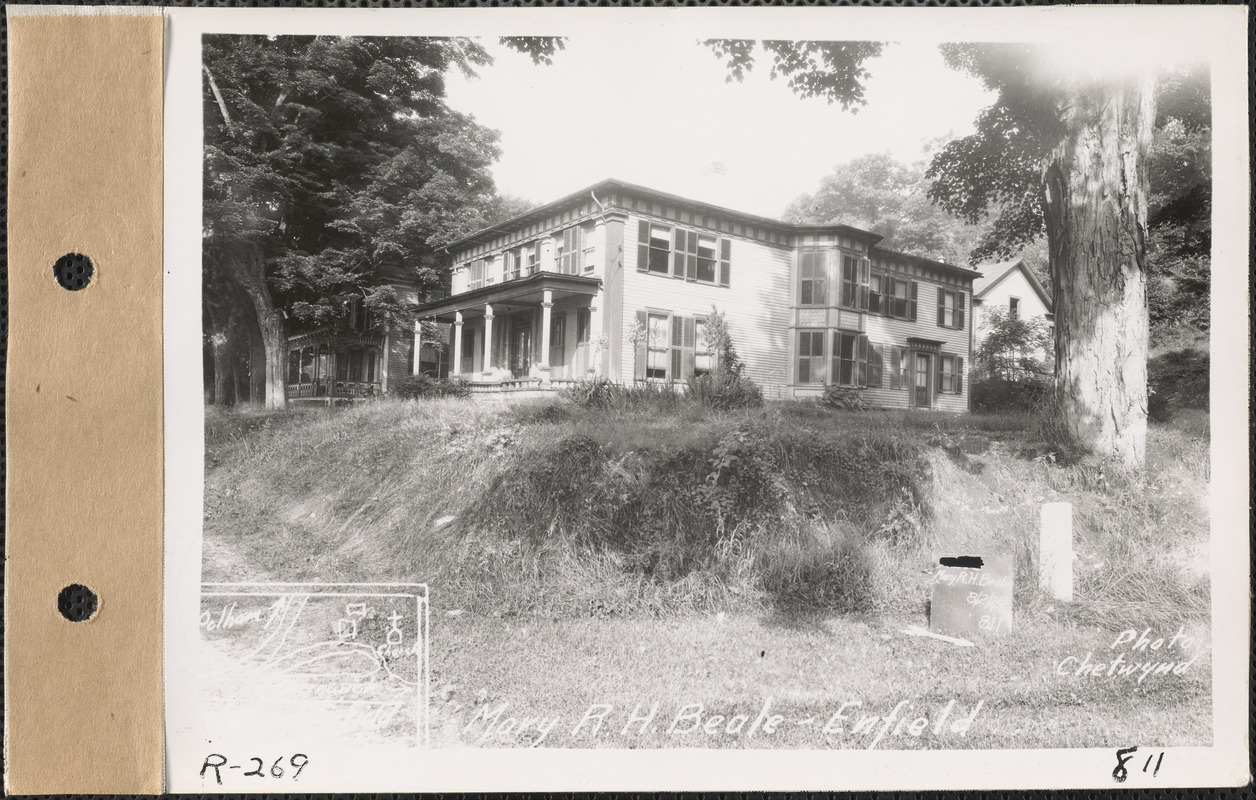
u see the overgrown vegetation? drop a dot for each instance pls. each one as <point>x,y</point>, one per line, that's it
<point>422,387</point>
<point>559,510</point>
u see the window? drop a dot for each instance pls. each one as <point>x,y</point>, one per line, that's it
<point>582,326</point>
<point>658,340</point>
<point>586,261</point>
<point>665,350</point>
<point>875,282</point>
<point>533,258</point>
<point>510,265</point>
<point>898,297</point>
<point>476,271</point>
<point>855,275</point>
<point>654,249</point>
<point>570,246</point>
<point>706,259</point>
<point>950,308</point>
<point>850,359</point>
<point>490,271</point>
<point>950,374</point>
<point>683,254</point>
<point>812,278</point>
<point>899,361</point>
<point>558,333</point>
<point>1013,306</point>
<point>811,356</point>
<point>702,359</point>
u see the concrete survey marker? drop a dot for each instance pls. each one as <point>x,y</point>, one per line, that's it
<point>346,660</point>
<point>972,596</point>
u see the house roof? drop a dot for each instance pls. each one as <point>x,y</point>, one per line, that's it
<point>613,185</point>
<point>993,274</point>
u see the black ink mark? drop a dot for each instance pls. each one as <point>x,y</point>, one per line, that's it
<point>257,771</point>
<point>1120,773</point>
<point>214,766</point>
<point>970,562</point>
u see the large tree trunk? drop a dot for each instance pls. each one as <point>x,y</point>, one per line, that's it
<point>246,266</point>
<point>1096,190</point>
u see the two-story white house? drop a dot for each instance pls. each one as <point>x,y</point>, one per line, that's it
<point>617,280</point>
<point>1012,287</point>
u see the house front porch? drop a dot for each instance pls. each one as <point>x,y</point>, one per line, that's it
<point>331,365</point>
<point>525,336</point>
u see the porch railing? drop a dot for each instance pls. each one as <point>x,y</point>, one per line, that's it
<point>334,389</point>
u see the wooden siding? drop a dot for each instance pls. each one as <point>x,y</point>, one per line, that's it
<point>755,304</point>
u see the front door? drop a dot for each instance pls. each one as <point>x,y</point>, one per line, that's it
<point>922,388</point>
<point>521,346</point>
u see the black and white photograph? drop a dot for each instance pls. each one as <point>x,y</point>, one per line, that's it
<point>649,383</point>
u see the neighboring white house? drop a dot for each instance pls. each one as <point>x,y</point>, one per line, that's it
<point>1009,285</point>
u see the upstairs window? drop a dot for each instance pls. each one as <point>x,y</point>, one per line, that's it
<point>683,254</point>
<point>570,249</point>
<point>813,278</point>
<point>654,248</point>
<point>950,309</point>
<point>476,274</point>
<point>533,258</point>
<point>586,260</point>
<point>1013,307</point>
<point>856,274</point>
<point>898,297</point>
<point>875,283</point>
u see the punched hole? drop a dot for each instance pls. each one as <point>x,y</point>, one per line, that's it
<point>77,603</point>
<point>73,271</point>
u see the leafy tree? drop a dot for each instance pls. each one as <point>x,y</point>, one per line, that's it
<point>332,166</point>
<point>1014,347</point>
<point>1061,151</point>
<point>878,193</point>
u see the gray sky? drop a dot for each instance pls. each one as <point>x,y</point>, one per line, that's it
<point>654,108</point>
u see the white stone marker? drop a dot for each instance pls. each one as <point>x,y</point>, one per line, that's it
<point>1055,551</point>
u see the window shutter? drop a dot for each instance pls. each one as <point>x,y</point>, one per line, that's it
<point>643,325</point>
<point>861,359</point>
<point>725,261</point>
<point>911,305</point>
<point>865,276</point>
<point>938,386</point>
<point>691,259</point>
<point>678,341</point>
<point>941,306</point>
<point>537,248</point>
<point>960,302</point>
<point>678,253</point>
<point>896,371</point>
<point>959,374</point>
<point>874,366</point>
<point>687,345</point>
<point>643,247</point>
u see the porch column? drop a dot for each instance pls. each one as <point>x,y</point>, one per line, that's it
<point>455,359</point>
<point>418,345</point>
<point>597,339</point>
<point>488,337</point>
<point>547,305</point>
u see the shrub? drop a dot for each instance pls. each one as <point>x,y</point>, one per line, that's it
<point>996,394</point>
<point>422,387</point>
<point>723,391</point>
<point>1175,381</point>
<point>591,393</point>
<point>843,398</point>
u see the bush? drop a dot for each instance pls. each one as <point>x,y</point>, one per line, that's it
<point>995,394</point>
<point>421,387</point>
<point>843,398</point>
<point>723,390</point>
<point>1175,381</point>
